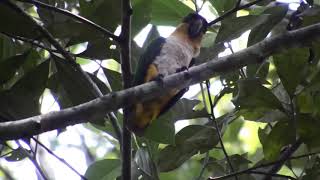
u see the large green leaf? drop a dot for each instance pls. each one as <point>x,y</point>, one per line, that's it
<point>8,67</point>
<point>282,134</point>
<point>8,47</point>
<point>22,99</point>
<point>73,82</point>
<point>141,15</point>
<point>232,28</point>
<point>223,6</point>
<point>114,79</point>
<point>290,67</point>
<point>106,169</point>
<point>17,24</point>
<point>145,163</point>
<point>308,131</point>
<point>100,49</point>
<point>252,94</point>
<point>276,14</point>
<point>104,13</point>
<point>168,12</point>
<point>312,172</point>
<point>189,141</point>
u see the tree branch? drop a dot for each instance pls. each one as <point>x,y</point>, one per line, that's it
<point>125,56</point>
<point>74,16</point>
<point>252,169</point>
<point>233,10</point>
<point>113,101</point>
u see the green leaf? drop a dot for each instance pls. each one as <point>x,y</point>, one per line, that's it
<point>22,99</point>
<point>239,162</point>
<point>282,134</point>
<point>308,131</point>
<point>265,115</point>
<point>73,82</point>
<point>8,67</point>
<point>96,12</point>
<point>17,155</point>
<point>145,163</point>
<point>290,67</point>
<point>223,6</point>
<point>114,79</point>
<point>99,49</point>
<point>189,141</point>
<point>232,28</point>
<point>17,24</point>
<point>313,172</point>
<point>184,110</point>
<point>252,94</point>
<point>161,130</point>
<point>275,15</point>
<point>106,169</point>
<point>8,47</point>
<point>168,12</point>
<point>141,15</point>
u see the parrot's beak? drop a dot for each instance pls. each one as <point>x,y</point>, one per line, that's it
<point>196,28</point>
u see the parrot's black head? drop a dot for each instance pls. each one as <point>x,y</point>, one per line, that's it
<point>197,25</point>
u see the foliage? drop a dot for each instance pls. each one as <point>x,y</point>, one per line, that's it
<point>281,95</point>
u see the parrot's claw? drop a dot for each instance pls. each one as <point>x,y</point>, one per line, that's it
<point>184,68</point>
<point>159,79</point>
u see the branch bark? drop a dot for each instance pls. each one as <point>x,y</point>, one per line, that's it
<point>113,101</point>
<point>125,54</point>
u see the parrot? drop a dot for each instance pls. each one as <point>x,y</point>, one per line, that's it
<point>162,57</point>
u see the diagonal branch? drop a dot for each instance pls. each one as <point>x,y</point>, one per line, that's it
<point>74,16</point>
<point>113,101</point>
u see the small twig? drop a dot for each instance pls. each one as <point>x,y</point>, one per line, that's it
<point>218,129</point>
<point>262,166</point>
<point>33,160</point>
<point>30,41</point>
<point>272,175</point>
<point>57,157</point>
<point>6,154</point>
<point>241,72</point>
<point>235,9</point>
<point>204,166</point>
<point>74,16</point>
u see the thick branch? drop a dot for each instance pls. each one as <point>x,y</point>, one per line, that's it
<point>113,101</point>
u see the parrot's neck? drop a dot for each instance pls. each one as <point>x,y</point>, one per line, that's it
<point>181,34</point>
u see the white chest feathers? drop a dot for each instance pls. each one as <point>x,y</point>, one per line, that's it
<point>174,55</point>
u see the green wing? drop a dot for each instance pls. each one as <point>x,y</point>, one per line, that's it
<point>152,51</point>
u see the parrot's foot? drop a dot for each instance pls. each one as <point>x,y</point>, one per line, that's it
<point>159,79</point>
<point>184,68</point>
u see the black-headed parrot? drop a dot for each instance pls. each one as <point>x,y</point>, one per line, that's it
<point>165,56</point>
